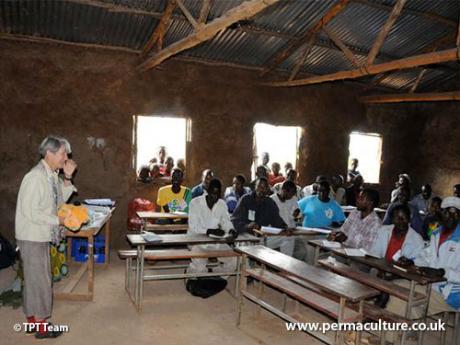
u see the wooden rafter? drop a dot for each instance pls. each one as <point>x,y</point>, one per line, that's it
<point>345,50</point>
<point>384,32</point>
<point>428,15</point>
<point>412,97</point>
<point>296,44</point>
<point>160,30</point>
<point>246,10</point>
<point>187,14</point>
<point>303,58</point>
<point>204,12</point>
<point>417,80</point>
<point>405,63</point>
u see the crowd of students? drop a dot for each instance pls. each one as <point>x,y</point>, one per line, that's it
<point>422,231</point>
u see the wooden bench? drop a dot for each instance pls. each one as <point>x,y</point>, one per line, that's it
<point>375,282</point>
<point>304,295</point>
<point>280,268</point>
<point>370,311</point>
<point>174,255</point>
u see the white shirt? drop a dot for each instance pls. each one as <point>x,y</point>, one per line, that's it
<point>201,217</point>
<point>412,246</point>
<point>286,209</point>
<point>36,215</point>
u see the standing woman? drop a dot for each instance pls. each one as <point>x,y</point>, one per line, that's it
<point>41,194</point>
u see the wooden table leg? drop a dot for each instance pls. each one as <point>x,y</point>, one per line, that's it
<point>107,243</point>
<point>91,266</point>
<point>243,276</point>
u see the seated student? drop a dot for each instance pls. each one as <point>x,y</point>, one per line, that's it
<point>403,198</point>
<point>261,172</point>
<point>208,213</point>
<point>275,176</point>
<point>320,211</point>
<point>441,258</point>
<point>234,193</point>
<point>337,190</point>
<point>200,189</point>
<point>403,181</point>
<point>288,210</point>
<point>291,175</point>
<point>312,189</point>
<point>352,192</point>
<point>362,226</point>
<point>398,239</point>
<point>256,210</point>
<point>174,197</point>
<point>422,199</point>
<point>433,218</point>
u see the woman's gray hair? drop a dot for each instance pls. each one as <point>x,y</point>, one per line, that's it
<point>53,143</point>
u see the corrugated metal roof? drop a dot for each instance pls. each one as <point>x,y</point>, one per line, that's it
<point>130,23</point>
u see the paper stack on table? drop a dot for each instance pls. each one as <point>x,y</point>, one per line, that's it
<point>271,230</point>
<point>332,244</point>
<point>100,202</point>
<point>151,237</point>
<point>318,230</point>
<point>354,252</point>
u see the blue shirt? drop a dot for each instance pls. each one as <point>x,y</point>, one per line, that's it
<point>232,197</point>
<point>197,191</point>
<point>318,214</point>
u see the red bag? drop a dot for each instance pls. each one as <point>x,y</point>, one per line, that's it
<point>135,205</point>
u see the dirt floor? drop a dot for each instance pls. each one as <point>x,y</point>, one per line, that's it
<point>170,316</point>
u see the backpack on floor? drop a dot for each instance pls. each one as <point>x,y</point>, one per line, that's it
<point>7,253</point>
<point>205,287</point>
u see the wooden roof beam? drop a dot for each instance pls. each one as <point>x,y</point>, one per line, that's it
<point>404,63</point>
<point>292,46</point>
<point>160,30</point>
<point>411,97</point>
<point>204,12</point>
<point>303,58</point>
<point>345,50</point>
<point>384,32</point>
<point>246,10</point>
<point>187,14</point>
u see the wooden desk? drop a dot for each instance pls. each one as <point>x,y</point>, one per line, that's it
<point>170,241</point>
<point>346,289</point>
<point>161,215</point>
<point>382,265</point>
<point>146,216</point>
<point>88,232</point>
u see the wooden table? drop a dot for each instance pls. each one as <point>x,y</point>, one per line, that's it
<point>382,265</point>
<point>146,216</point>
<point>89,232</point>
<point>346,289</point>
<point>173,241</point>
